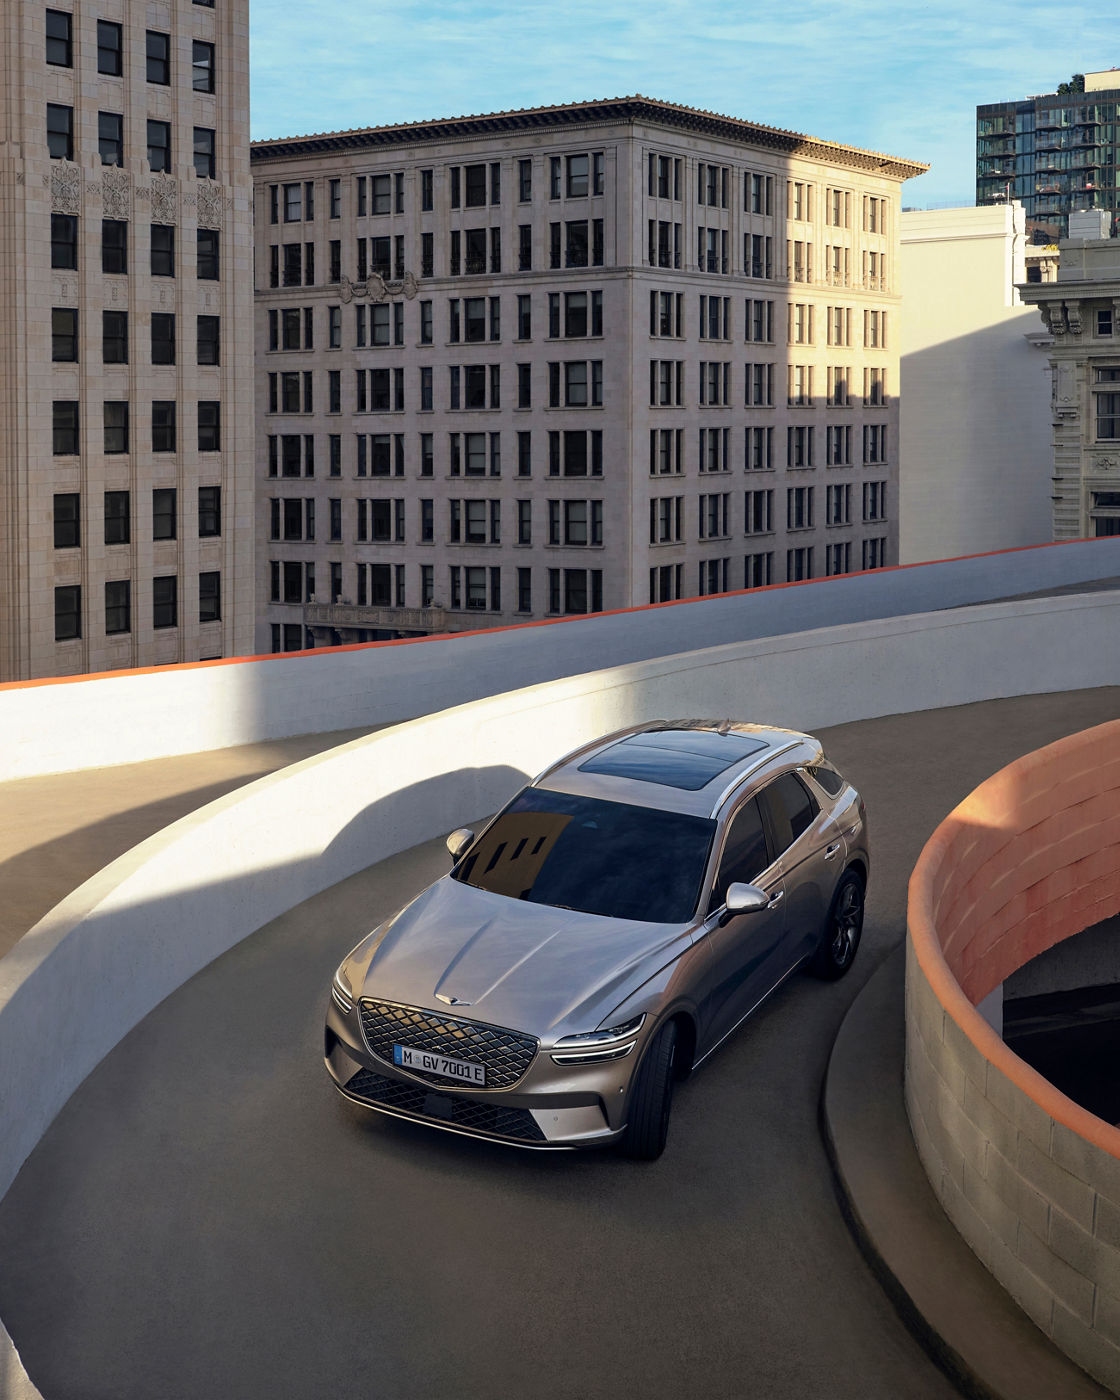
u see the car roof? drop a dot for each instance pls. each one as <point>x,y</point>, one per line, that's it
<point>684,765</point>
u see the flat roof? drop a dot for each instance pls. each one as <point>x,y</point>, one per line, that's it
<point>599,112</point>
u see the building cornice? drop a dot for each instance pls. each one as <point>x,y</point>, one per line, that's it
<point>632,110</point>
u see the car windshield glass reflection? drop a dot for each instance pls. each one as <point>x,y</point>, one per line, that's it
<point>597,857</point>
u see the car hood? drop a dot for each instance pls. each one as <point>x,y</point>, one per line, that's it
<point>528,967</point>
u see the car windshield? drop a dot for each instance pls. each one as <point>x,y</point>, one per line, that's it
<point>597,857</point>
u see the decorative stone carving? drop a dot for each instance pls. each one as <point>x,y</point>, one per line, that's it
<point>66,188</point>
<point>165,201</point>
<point>1107,464</point>
<point>1073,317</point>
<point>1065,386</point>
<point>115,193</point>
<point>210,206</point>
<point>376,288</point>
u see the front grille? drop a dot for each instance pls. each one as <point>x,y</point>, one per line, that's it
<point>493,1119</point>
<point>505,1054</point>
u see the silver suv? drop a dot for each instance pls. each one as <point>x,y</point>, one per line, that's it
<point>603,935</point>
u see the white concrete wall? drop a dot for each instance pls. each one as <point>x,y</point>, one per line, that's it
<point>65,726</point>
<point>975,437</point>
<point>127,938</point>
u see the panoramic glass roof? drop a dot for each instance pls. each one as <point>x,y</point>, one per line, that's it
<point>681,758</point>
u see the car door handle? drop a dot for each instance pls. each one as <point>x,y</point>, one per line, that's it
<point>833,850</point>
<point>776,899</point>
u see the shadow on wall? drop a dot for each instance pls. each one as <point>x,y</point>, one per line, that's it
<point>144,925</point>
<point>975,445</point>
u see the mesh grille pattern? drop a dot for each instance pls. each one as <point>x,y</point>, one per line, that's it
<point>506,1054</point>
<point>493,1119</point>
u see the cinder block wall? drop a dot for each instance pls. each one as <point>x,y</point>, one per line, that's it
<point>1030,1180</point>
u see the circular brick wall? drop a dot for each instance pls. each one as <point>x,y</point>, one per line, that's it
<point>1031,1180</point>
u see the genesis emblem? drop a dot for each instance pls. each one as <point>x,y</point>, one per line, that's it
<point>451,1001</point>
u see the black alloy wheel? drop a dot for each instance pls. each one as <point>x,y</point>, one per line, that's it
<point>842,929</point>
<point>652,1097</point>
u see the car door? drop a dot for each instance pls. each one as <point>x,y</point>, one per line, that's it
<point>742,949</point>
<point>810,856</point>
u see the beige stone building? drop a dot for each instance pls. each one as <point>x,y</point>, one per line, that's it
<point>125,343</point>
<point>1081,312</point>
<point>568,359</point>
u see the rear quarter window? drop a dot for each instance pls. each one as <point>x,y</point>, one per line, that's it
<point>828,778</point>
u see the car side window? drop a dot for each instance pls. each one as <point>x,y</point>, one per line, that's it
<point>744,855</point>
<point>791,808</point>
<point>828,777</point>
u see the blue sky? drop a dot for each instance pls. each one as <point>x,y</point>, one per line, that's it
<point>903,78</point>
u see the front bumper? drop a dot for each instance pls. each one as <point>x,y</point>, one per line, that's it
<point>552,1107</point>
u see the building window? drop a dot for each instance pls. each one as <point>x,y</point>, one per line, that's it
<point>838,505</point>
<point>758,512</point>
<point>165,601</point>
<point>116,426</point>
<point>118,607</point>
<point>799,564</point>
<point>159,145</point>
<point>67,613</point>
<point>758,570</point>
<point>666,519</point>
<point>210,596</point>
<point>163,338</point>
<point>164,524</point>
<point>874,553</point>
<point>799,508</point>
<point>204,154</point>
<point>202,66</point>
<point>838,558</point>
<point>1107,407</point>
<point>117,518</point>
<point>114,246</point>
<point>110,138</point>
<point>60,131</point>
<point>163,425</point>
<point>575,590</point>
<point>874,500</point>
<point>64,241</point>
<point>114,337</point>
<point>759,449</point>
<point>60,42</point>
<point>67,521</point>
<point>665,583</point>
<point>65,427</point>
<point>666,451</point>
<point>209,340</point>
<point>210,426</point>
<point>163,250</point>
<point>209,512</point>
<point>64,334</point>
<point>207,255</point>
<point>159,58</point>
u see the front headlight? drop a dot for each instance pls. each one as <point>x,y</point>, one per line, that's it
<point>342,992</point>
<point>613,1043</point>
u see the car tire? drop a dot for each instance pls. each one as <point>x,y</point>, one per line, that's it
<point>841,934</point>
<point>652,1097</point>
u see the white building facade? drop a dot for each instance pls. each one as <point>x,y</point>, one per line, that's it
<point>974,448</point>
<point>567,360</point>
<point>125,364</point>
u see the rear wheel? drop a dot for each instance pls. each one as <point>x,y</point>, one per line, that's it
<point>652,1097</point>
<point>842,930</point>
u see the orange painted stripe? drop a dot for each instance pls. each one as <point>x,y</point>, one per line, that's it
<point>540,622</point>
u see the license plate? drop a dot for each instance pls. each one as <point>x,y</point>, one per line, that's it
<point>429,1063</point>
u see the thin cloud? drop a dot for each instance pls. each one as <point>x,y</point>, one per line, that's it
<point>902,77</point>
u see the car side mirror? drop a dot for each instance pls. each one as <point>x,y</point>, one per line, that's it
<point>459,840</point>
<point>744,899</point>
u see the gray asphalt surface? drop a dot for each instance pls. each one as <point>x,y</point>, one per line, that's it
<point>207,1218</point>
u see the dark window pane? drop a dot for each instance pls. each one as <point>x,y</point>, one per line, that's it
<point>163,514</point>
<point>163,338</point>
<point>65,427</point>
<point>209,346</point>
<point>64,241</point>
<point>163,425</point>
<point>64,333</point>
<point>110,138</point>
<point>159,145</point>
<point>209,426</point>
<point>202,68</point>
<point>60,131</point>
<point>114,337</point>
<point>208,249</point>
<point>67,613</point>
<point>117,516</point>
<point>163,250</point>
<point>209,596</point>
<point>209,511</point>
<point>204,152</point>
<point>159,58</point>
<point>109,48</point>
<point>116,427</point>
<point>165,601</point>
<point>114,245</point>
<point>67,521</point>
<point>60,48</point>
<point>118,607</point>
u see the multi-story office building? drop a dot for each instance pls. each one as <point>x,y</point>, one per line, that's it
<point>125,383</point>
<point>1055,154</point>
<point>564,360</point>
<point>1081,312</point>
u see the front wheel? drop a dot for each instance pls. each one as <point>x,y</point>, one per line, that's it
<point>652,1097</point>
<point>842,930</point>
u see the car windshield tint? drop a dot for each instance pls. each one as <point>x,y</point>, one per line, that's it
<point>597,857</point>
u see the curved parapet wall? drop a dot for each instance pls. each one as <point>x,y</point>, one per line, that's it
<point>62,725</point>
<point>1030,1179</point>
<point>128,937</point>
